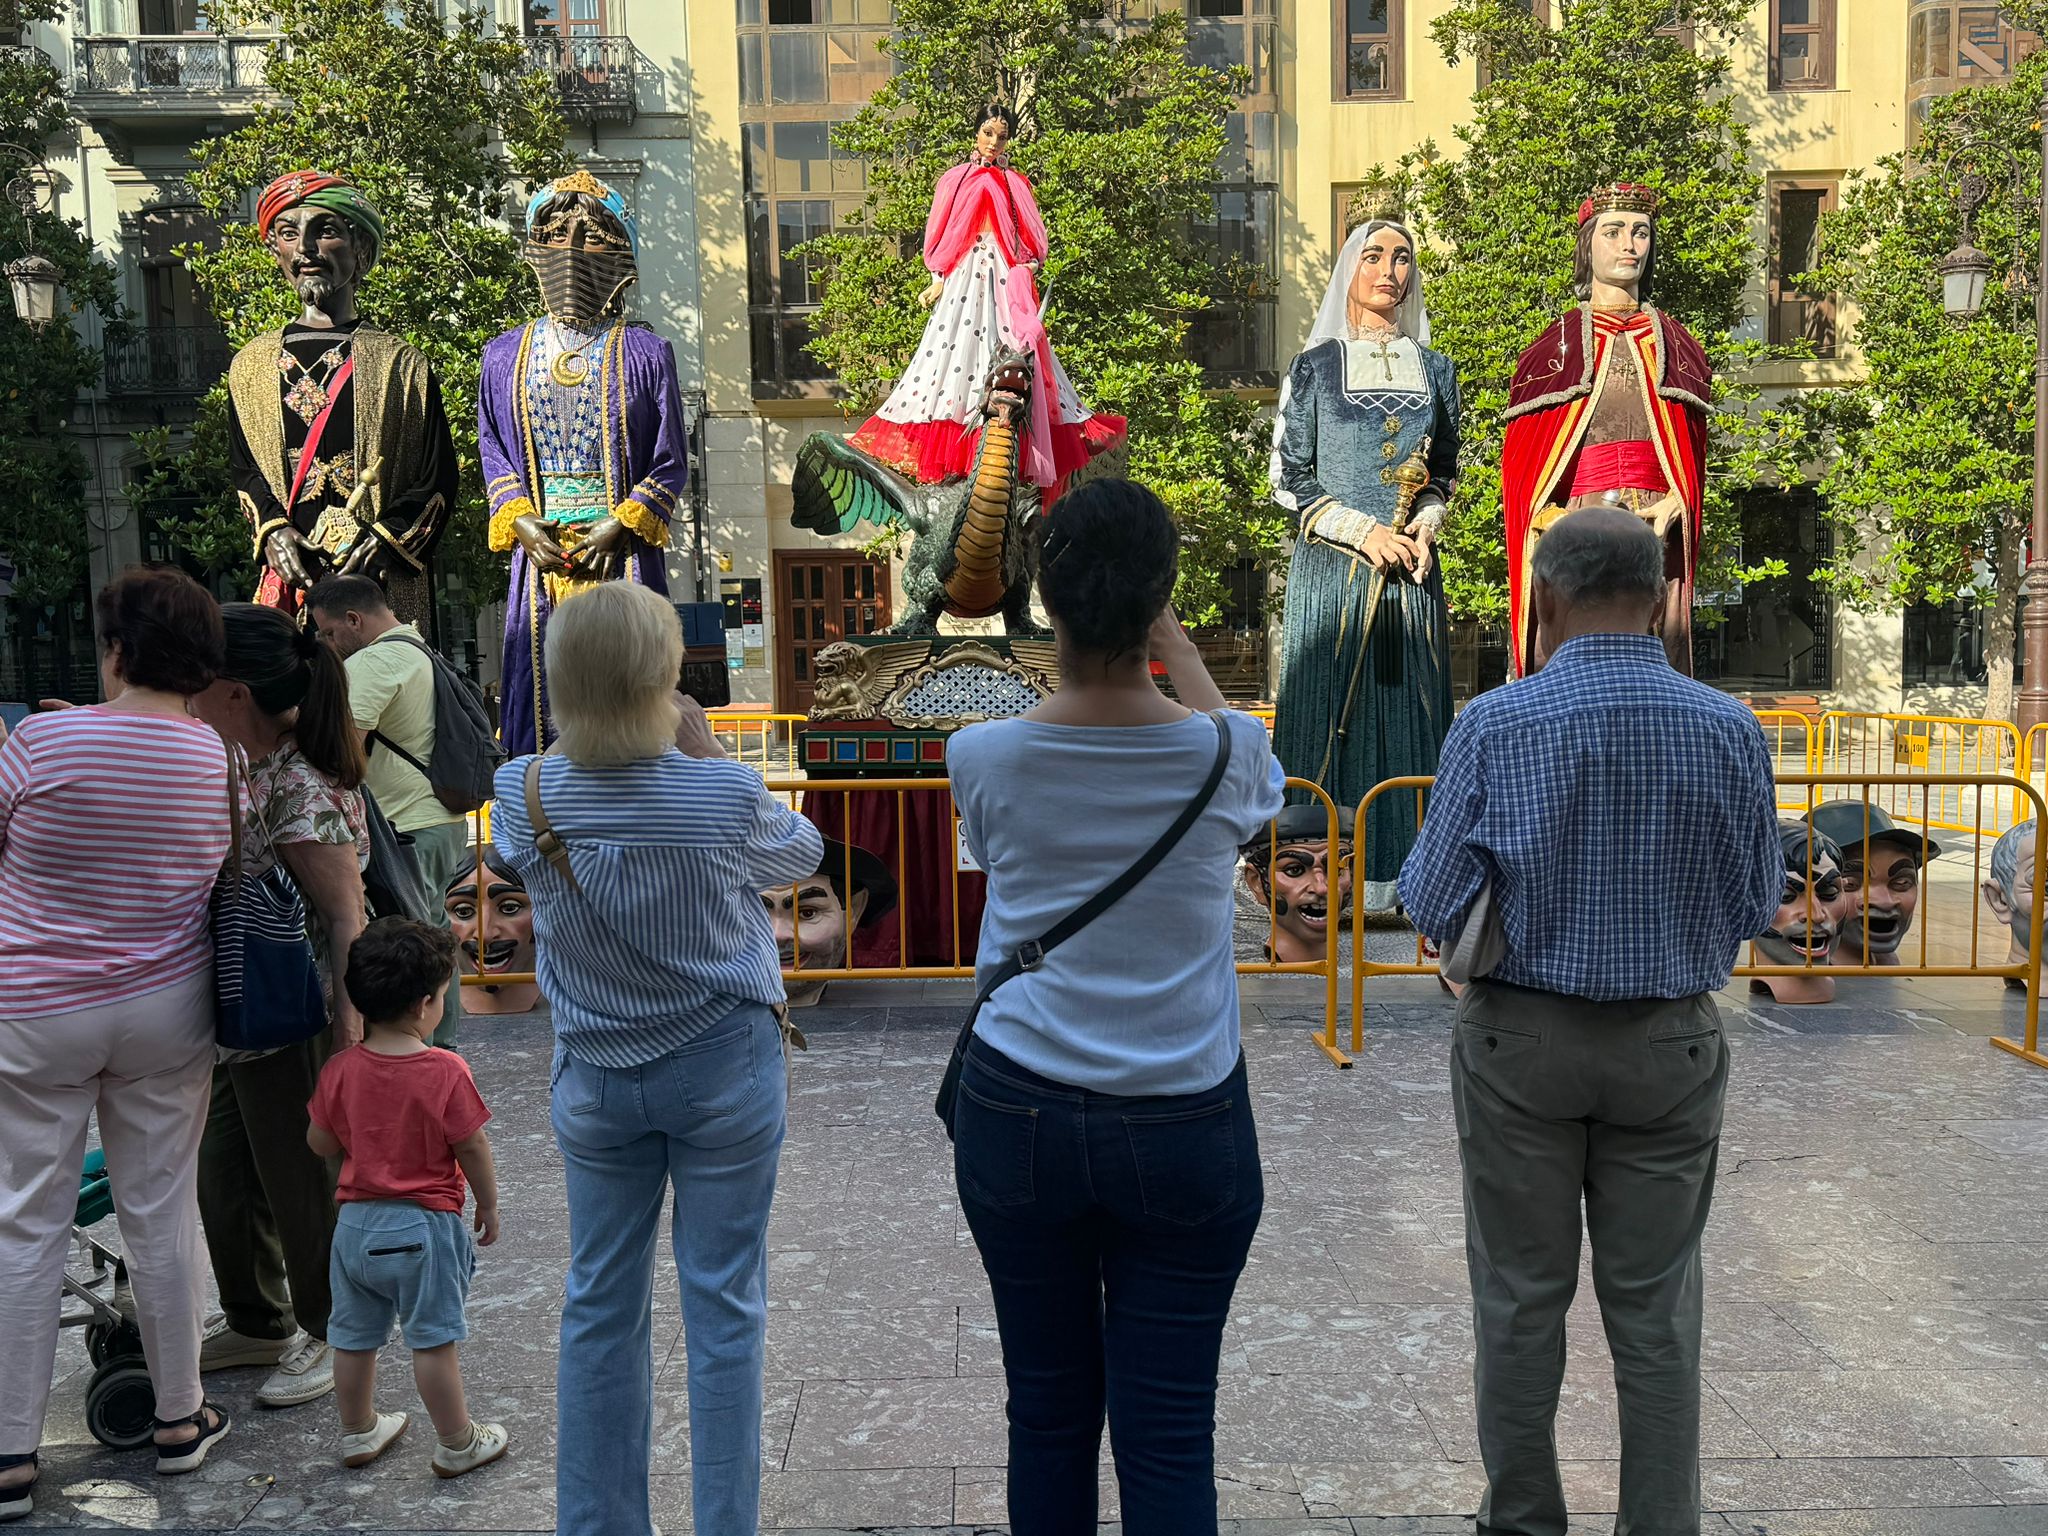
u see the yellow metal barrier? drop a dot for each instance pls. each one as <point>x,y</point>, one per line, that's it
<point>2032,750</point>
<point>761,741</point>
<point>1791,738</point>
<point>1925,763</point>
<point>1866,789</point>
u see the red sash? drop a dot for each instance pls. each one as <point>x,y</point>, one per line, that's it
<point>319,430</point>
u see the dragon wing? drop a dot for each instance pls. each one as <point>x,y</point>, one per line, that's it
<point>837,487</point>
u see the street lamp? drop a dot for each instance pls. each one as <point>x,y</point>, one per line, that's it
<point>1964,272</point>
<point>38,286</point>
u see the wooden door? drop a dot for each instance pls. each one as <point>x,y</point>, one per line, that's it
<point>821,596</point>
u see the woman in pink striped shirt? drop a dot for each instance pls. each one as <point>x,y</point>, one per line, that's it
<point>113,826</point>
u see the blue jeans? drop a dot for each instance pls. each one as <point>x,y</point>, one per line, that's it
<point>708,1118</point>
<point>1113,1231</point>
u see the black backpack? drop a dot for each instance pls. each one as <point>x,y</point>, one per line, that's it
<point>466,754</point>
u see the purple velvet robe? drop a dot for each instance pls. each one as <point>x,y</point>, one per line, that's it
<point>648,463</point>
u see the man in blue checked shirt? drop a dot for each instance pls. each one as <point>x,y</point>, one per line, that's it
<point>1625,820</point>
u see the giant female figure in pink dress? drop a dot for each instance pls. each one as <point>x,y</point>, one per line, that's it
<point>984,244</point>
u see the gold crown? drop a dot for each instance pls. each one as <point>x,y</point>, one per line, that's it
<point>1619,197</point>
<point>584,182</point>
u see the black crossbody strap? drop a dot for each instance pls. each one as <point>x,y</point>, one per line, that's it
<point>1032,954</point>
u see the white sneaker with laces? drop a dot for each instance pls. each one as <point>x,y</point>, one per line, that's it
<point>223,1349</point>
<point>306,1372</point>
<point>487,1443</point>
<point>360,1450</point>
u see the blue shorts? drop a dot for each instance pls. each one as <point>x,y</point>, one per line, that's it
<point>393,1259</point>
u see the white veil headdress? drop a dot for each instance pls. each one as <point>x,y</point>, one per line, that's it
<point>1332,319</point>
<point>1333,323</point>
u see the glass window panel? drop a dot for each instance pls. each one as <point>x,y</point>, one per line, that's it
<point>753,92</point>
<point>583,14</point>
<point>1217,45</point>
<point>754,151</point>
<point>1265,152</point>
<point>803,157</point>
<point>1795,13</point>
<point>847,579</point>
<point>796,66</point>
<point>796,589</point>
<point>818,582</point>
<point>1215,7</point>
<point>1798,230</point>
<point>1916,55</point>
<point>849,172</point>
<point>1367,18</point>
<point>792,13</point>
<point>760,254</point>
<point>750,13</point>
<point>797,362</point>
<point>1261,60</point>
<point>1795,57</point>
<point>867,581</point>
<point>856,67</point>
<point>1940,46</point>
<point>542,15</point>
<point>876,13</point>
<point>849,620</point>
<point>762,327</point>
<point>803,665</point>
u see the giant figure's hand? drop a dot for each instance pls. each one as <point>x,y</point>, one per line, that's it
<point>358,560</point>
<point>604,550</point>
<point>1390,551</point>
<point>1424,535</point>
<point>537,537</point>
<point>295,558</point>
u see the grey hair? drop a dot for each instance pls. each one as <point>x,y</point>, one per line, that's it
<point>2005,857</point>
<point>1600,555</point>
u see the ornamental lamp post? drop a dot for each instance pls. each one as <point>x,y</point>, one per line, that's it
<point>38,286</point>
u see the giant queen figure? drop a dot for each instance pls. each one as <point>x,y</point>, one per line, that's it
<point>1365,449</point>
<point>581,434</point>
<point>338,445</point>
<point>1609,409</point>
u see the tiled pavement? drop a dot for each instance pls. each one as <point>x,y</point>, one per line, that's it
<point>1877,1352</point>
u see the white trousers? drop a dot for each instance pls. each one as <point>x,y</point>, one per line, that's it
<point>147,1065</point>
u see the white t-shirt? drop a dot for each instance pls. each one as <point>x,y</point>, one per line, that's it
<point>1144,999</point>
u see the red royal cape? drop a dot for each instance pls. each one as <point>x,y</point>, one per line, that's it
<point>1549,407</point>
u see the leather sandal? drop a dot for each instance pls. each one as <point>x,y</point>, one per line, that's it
<point>190,1455</point>
<point>16,1501</point>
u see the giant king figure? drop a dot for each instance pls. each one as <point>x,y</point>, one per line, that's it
<point>1609,409</point>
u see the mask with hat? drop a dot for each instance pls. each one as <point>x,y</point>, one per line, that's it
<point>852,890</point>
<point>1292,871</point>
<point>1881,864</point>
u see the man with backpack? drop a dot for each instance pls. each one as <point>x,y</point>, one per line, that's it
<point>429,742</point>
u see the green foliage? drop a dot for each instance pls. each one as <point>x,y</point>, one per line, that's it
<point>1120,135</point>
<point>1930,459</point>
<point>1598,97</point>
<point>435,120</point>
<point>43,472</point>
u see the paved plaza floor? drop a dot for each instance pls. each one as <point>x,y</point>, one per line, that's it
<point>1877,1323</point>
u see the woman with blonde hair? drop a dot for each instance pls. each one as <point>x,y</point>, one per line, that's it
<point>646,853</point>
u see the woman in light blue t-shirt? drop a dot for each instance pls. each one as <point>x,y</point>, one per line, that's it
<point>1105,1153</point>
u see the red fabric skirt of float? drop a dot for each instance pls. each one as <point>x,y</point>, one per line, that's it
<point>924,901</point>
<point>1632,464</point>
<point>931,452</point>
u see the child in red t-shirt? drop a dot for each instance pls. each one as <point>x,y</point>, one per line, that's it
<point>408,1123</point>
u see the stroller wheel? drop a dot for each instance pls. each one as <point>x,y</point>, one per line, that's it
<point>113,1341</point>
<point>120,1405</point>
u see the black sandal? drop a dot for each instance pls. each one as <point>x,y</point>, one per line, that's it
<point>16,1502</point>
<point>190,1455</point>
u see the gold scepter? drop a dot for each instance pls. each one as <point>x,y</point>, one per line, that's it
<point>1409,479</point>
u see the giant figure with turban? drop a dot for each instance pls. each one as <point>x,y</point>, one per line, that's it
<point>581,434</point>
<point>337,441</point>
<point>1608,408</point>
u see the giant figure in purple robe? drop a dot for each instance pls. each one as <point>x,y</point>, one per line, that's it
<point>580,430</point>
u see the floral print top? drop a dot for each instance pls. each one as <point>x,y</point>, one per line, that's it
<point>297,803</point>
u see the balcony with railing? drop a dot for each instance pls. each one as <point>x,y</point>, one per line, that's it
<point>169,77</point>
<point>167,361</point>
<point>593,76</point>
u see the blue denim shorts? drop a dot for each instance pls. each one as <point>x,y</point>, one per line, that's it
<point>393,1259</point>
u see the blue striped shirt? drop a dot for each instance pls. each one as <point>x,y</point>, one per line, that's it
<point>1626,816</point>
<point>668,933</point>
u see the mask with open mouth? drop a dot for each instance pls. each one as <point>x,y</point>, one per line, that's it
<point>1798,943</point>
<point>497,955</point>
<point>1877,930</point>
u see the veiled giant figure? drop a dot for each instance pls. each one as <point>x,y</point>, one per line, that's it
<point>1365,450</point>
<point>581,434</point>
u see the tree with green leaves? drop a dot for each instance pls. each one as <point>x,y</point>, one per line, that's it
<point>1930,456</point>
<point>435,119</point>
<point>1602,92</point>
<point>1120,134</point>
<point>43,470</point>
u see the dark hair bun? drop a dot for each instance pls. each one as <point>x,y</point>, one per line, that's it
<point>1108,555</point>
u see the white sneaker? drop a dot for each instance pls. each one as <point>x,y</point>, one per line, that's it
<point>305,1372</point>
<point>361,1450</point>
<point>222,1349</point>
<point>487,1443</point>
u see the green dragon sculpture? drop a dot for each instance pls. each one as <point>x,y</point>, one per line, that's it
<point>971,552</point>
